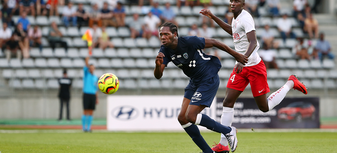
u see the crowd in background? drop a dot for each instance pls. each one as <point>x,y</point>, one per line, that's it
<point>17,37</point>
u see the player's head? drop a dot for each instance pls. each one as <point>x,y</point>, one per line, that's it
<point>168,32</point>
<point>321,36</point>
<point>64,72</point>
<point>91,68</point>
<point>237,5</point>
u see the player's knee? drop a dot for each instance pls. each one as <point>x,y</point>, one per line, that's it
<point>264,109</point>
<point>182,119</point>
<point>191,118</point>
<point>228,103</point>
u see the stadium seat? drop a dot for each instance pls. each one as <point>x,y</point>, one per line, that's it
<point>116,63</point>
<point>142,84</point>
<point>110,53</point>
<point>279,83</point>
<point>181,20</point>
<point>229,42</point>
<point>123,53</point>
<point>103,63</point>
<point>298,32</point>
<point>112,32</point>
<point>272,73</point>
<point>53,63</point>
<point>310,74</point>
<point>39,84</point>
<point>154,84</point>
<point>129,63</point>
<point>73,32</point>
<point>303,64</point>
<point>47,52</point>
<point>299,73</point>
<point>134,73</point>
<point>93,62</point>
<point>60,52</point>
<point>52,83</point>
<point>183,31</point>
<point>285,54</point>
<point>28,84</point>
<point>98,72</point>
<point>28,62</point>
<point>42,20</point>
<point>3,63</point>
<point>73,73</point>
<point>48,73</point>
<point>34,73</point>
<point>330,84</point>
<point>78,63</point>
<point>128,84</point>
<point>148,53</point>
<point>180,83</point>
<point>185,10</point>
<point>122,74</point>
<point>333,74</point>
<point>197,9</point>
<point>280,63</point>
<point>166,83</point>
<point>154,42</point>
<point>228,63</point>
<point>64,31</point>
<point>135,9</point>
<point>151,63</point>
<point>16,83</point>
<point>97,52</point>
<point>21,73</point>
<point>66,63</point>
<point>141,42</point>
<point>316,64</point>
<point>147,73</point>
<point>328,64</point>
<point>290,43</point>
<point>73,53</point>
<point>291,63</point>
<point>271,84</point>
<point>264,12</point>
<point>7,73</point>
<point>224,73</point>
<point>285,73</point>
<point>35,52</point>
<point>55,19</point>
<point>135,53</point>
<point>321,73</point>
<point>69,41</point>
<point>45,31</point>
<point>123,32</point>
<point>15,63</point>
<point>219,32</point>
<point>83,30</point>
<point>129,43</point>
<point>265,20</point>
<point>78,42</point>
<point>141,63</point>
<point>78,83</point>
<point>306,82</point>
<point>83,52</point>
<point>317,84</point>
<point>44,42</point>
<point>191,20</point>
<point>118,42</point>
<point>58,73</point>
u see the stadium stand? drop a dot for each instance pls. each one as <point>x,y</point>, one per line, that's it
<point>132,60</point>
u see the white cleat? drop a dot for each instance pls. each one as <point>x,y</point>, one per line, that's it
<point>232,139</point>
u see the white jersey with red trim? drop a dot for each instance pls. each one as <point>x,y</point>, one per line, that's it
<point>243,24</point>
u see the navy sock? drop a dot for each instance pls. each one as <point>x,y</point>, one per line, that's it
<point>194,133</point>
<point>212,125</point>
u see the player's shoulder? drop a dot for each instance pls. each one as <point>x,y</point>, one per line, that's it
<point>190,39</point>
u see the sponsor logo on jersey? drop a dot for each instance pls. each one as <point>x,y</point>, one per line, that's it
<point>185,55</point>
<point>178,56</point>
<point>236,36</point>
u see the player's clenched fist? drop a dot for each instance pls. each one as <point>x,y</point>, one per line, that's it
<point>159,58</point>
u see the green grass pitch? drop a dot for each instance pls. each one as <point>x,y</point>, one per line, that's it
<point>54,141</point>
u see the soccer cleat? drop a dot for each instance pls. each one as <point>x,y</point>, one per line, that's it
<point>298,85</point>
<point>232,139</point>
<point>219,148</point>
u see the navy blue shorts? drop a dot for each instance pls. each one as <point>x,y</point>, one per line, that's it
<point>202,93</point>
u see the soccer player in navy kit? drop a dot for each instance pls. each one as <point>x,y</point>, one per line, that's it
<point>186,53</point>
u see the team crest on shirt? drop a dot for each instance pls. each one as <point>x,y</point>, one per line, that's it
<point>185,55</point>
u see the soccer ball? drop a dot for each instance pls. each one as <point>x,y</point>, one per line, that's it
<point>108,83</point>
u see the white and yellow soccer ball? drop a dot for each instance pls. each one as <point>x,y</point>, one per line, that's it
<point>108,83</point>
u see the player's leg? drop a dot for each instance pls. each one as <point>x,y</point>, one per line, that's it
<point>67,106</point>
<point>191,129</point>
<point>92,107</point>
<point>61,108</point>
<point>85,111</point>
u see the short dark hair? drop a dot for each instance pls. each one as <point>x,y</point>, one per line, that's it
<point>173,27</point>
<point>64,71</point>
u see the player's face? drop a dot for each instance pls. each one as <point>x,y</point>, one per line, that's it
<point>166,36</point>
<point>91,69</point>
<point>236,5</point>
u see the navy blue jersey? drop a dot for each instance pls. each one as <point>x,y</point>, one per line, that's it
<point>189,57</point>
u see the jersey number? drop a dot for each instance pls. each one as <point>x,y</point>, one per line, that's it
<point>192,63</point>
<point>232,78</point>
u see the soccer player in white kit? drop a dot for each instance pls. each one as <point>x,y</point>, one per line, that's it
<point>254,72</point>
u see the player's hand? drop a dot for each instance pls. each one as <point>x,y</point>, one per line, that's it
<point>238,68</point>
<point>159,58</point>
<point>206,12</point>
<point>243,59</point>
<point>96,101</point>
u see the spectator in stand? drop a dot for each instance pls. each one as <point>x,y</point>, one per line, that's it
<point>35,36</point>
<point>12,46</point>
<point>96,34</point>
<point>156,11</point>
<point>316,4</point>
<point>119,14</point>
<point>1,20</point>
<point>252,7</point>
<point>52,6</point>
<point>23,39</point>
<point>82,17</point>
<point>267,37</point>
<point>168,14</point>
<point>95,16</point>
<point>135,25</point>
<point>152,22</point>
<point>190,3</point>
<point>284,25</point>
<point>311,27</point>
<point>41,8</point>
<point>11,7</point>
<point>69,14</point>
<point>106,16</point>
<point>27,6</point>
<point>5,35</point>
<point>268,57</point>
<point>299,11</point>
<point>105,40</point>
<point>55,37</point>
<point>228,15</point>
<point>205,2</point>
<point>6,17</point>
<point>323,48</point>
<point>148,2</point>
<point>194,30</point>
<point>24,21</point>
<point>301,50</point>
<point>274,7</point>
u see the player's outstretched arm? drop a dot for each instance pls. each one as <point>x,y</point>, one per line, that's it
<point>158,70</point>
<point>87,61</point>
<point>223,25</point>
<point>209,42</point>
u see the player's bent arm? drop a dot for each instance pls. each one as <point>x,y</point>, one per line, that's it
<point>87,61</point>
<point>158,71</point>
<point>209,42</point>
<point>252,42</point>
<point>225,26</point>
